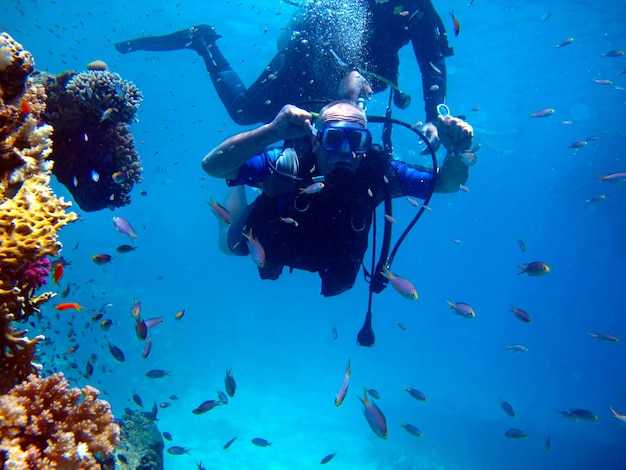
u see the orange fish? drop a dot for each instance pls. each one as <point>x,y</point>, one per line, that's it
<point>220,212</point>
<point>25,106</point>
<point>57,272</point>
<point>455,23</point>
<point>68,306</point>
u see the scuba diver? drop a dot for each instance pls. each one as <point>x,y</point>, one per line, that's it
<point>323,43</point>
<point>319,190</point>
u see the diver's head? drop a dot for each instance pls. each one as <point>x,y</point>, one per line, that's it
<point>342,138</point>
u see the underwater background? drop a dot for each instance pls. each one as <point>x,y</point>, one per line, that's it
<point>276,336</point>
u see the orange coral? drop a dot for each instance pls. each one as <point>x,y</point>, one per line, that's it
<point>45,424</point>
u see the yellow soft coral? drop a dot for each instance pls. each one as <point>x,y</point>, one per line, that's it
<point>30,214</point>
<point>45,424</point>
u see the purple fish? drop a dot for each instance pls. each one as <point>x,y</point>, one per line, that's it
<point>374,417</point>
<point>205,407</point>
<point>401,285</point>
<point>463,309</point>
<point>117,353</point>
<point>123,226</point>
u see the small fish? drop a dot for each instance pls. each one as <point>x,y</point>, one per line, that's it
<point>312,188</point>
<point>141,329</point>
<point>135,310</point>
<point>229,383</point>
<point>289,220</point>
<point>463,309</point>
<point>256,249</point>
<point>390,218</point>
<point>516,434</point>
<point>88,369</point>
<point>117,353</point>
<point>508,409</point>
<point>418,395</point>
<point>545,17</point>
<point>401,325</point>
<point>577,145</point>
<point>455,23</point>
<point>75,182</point>
<point>205,407</point>
<point>521,314</point>
<point>68,306</point>
<point>167,435</point>
<point>469,158</point>
<point>328,458</point>
<point>106,324</point>
<point>123,226</point>
<point>137,399</point>
<point>401,285</point>
<point>152,322</point>
<point>517,348</point>
<point>603,81</point>
<point>179,315</point>
<point>223,398</point>
<point>229,443</point>
<point>95,176</point>
<point>521,244</point>
<point>119,177</point>
<point>604,337</point>
<point>66,291</point>
<point>434,88</point>
<point>616,415</point>
<point>373,393</point>
<point>614,53</point>
<point>464,188</point>
<point>177,450</point>
<point>57,272</point>
<point>535,269</point>
<point>73,349</point>
<point>343,389</point>
<point>221,212</point>
<point>598,198</point>
<point>412,201</point>
<point>434,67</point>
<point>125,248</point>
<point>615,178</point>
<point>102,258</point>
<point>411,429</point>
<point>547,445</point>
<point>585,415</point>
<point>164,404</point>
<point>157,373</point>
<point>543,113</point>
<point>147,348</point>
<point>334,333</point>
<point>568,415</point>
<point>565,42</point>
<point>374,416</point>
<point>107,113</point>
<point>260,442</point>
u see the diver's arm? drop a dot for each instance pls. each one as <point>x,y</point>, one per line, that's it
<point>225,159</point>
<point>456,136</point>
<point>452,174</point>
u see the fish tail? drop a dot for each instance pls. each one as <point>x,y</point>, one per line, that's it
<point>523,269</point>
<point>451,304</point>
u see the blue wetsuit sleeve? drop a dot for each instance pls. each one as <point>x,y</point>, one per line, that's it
<point>412,181</point>
<point>254,171</point>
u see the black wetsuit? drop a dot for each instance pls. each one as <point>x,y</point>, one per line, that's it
<point>317,49</point>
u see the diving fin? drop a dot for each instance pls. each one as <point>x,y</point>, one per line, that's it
<point>366,336</point>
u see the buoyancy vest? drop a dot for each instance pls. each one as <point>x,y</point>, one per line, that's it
<point>324,232</point>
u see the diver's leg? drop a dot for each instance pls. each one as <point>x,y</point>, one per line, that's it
<point>182,39</point>
<point>236,203</point>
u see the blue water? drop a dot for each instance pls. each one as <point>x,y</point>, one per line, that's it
<point>277,335</point>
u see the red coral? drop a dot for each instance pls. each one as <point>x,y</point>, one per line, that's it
<point>32,274</point>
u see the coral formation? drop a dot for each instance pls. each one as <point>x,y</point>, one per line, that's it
<point>141,445</point>
<point>30,214</point>
<point>94,152</point>
<point>45,424</point>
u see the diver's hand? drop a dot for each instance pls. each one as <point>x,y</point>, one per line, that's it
<point>291,122</point>
<point>455,134</point>
<point>431,132</point>
<point>355,85</point>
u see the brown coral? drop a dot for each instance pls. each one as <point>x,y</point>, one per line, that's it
<point>30,214</point>
<point>45,424</point>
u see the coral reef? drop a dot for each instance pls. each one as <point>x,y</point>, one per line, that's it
<point>45,424</point>
<point>141,445</point>
<point>94,152</point>
<point>30,214</point>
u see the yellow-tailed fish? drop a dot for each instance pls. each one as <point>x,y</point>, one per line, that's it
<point>256,250</point>
<point>374,416</point>
<point>401,285</point>
<point>220,212</point>
<point>341,394</point>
